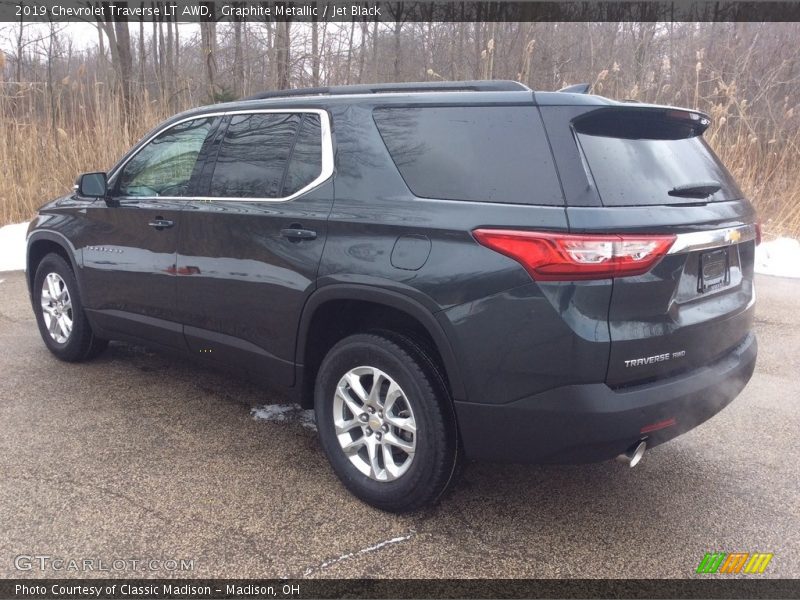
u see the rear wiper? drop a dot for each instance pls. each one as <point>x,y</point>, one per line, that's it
<point>701,189</point>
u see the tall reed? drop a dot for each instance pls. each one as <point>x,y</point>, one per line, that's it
<point>44,145</point>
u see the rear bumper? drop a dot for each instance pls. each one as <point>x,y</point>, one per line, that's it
<point>592,422</point>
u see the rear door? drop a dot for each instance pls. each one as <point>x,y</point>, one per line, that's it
<point>654,173</point>
<point>250,244</point>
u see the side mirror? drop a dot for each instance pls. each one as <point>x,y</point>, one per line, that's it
<point>92,185</point>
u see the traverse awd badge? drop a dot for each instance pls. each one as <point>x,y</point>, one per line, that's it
<point>649,360</point>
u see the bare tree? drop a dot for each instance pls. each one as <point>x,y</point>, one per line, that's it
<point>208,32</point>
<point>398,11</point>
<point>142,55</point>
<point>283,42</point>
<point>238,59</point>
<point>315,55</point>
<point>362,54</point>
<point>119,43</point>
<point>375,49</point>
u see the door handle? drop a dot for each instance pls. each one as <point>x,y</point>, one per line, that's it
<point>160,223</point>
<point>298,234</point>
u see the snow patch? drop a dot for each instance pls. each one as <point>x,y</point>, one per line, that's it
<point>367,550</point>
<point>285,413</point>
<point>780,257</point>
<point>12,247</point>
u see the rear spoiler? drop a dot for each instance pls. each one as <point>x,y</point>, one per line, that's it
<point>636,121</point>
<point>578,88</point>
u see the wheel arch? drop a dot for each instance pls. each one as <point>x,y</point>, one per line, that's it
<point>361,296</point>
<point>43,242</point>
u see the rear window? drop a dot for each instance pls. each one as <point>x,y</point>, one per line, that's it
<point>638,159</point>
<point>489,154</point>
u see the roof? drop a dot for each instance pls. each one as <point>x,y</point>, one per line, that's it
<point>481,92</point>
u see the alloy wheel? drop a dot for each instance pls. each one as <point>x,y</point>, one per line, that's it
<point>56,308</point>
<point>374,423</point>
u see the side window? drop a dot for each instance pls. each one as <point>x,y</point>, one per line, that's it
<point>489,154</point>
<point>305,164</point>
<point>164,166</point>
<point>253,155</point>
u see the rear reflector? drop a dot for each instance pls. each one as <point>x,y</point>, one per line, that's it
<point>569,257</point>
<point>656,426</point>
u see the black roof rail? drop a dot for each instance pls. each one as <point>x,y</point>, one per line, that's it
<point>578,88</point>
<point>493,85</point>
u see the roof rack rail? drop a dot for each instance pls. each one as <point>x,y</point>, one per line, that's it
<point>578,88</point>
<point>494,85</point>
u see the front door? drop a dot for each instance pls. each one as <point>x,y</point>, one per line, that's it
<point>132,238</point>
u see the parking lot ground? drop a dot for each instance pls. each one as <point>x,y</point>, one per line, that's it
<point>139,455</point>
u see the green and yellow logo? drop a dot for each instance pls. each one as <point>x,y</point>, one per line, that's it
<point>735,562</point>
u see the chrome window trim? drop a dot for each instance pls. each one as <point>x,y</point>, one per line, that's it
<point>326,140</point>
<point>714,238</point>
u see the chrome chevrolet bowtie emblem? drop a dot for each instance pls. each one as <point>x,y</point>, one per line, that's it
<point>733,236</point>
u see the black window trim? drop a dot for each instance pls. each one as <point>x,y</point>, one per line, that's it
<point>327,154</point>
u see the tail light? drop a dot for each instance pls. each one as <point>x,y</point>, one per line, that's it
<point>758,233</point>
<point>567,257</point>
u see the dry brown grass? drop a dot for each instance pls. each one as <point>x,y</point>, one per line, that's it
<point>40,156</point>
<point>85,130</point>
<point>763,154</point>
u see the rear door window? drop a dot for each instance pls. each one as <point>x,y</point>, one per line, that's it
<point>473,153</point>
<point>253,155</point>
<point>267,155</point>
<point>637,159</point>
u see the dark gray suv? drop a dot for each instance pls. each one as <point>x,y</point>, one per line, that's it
<point>442,270</point>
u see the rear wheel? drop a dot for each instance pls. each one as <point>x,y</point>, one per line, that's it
<point>386,422</point>
<point>59,312</point>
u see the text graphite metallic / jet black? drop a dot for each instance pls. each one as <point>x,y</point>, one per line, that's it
<point>446,270</point>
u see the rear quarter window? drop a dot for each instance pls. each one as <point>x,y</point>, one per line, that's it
<point>485,154</point>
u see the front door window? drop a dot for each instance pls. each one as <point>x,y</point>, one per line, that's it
<point>164,166</point>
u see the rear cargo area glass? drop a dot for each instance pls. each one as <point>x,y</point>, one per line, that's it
<point>640,165</point>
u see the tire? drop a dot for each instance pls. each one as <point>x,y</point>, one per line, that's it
<point>57,302</point>
<point>404,459</point>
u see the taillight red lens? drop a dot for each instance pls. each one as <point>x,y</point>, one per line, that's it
<point>758,233</point>
<point>566,257</point>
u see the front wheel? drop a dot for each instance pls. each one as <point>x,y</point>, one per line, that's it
<point>386,422</point>
<point>59,312</point>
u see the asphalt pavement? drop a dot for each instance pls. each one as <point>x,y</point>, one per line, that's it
<point>147,457</point>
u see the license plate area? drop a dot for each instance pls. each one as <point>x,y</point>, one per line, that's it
<point>715,270</point>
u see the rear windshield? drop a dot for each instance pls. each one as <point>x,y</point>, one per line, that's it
<point>638,161</point>
<point>478,153</point>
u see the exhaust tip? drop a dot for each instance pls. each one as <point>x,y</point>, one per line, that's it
<point>634,454</point>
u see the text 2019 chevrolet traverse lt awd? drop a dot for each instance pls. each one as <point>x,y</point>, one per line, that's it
<point>444,270</point>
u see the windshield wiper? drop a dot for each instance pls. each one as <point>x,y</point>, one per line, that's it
<point>701,189</point>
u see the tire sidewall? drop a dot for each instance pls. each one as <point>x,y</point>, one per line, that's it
<point>362,350</point>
